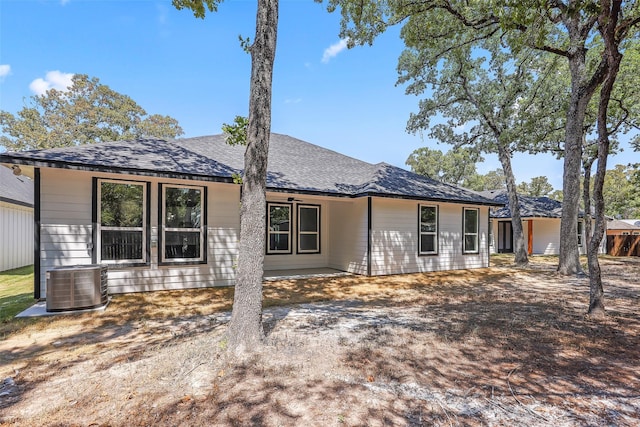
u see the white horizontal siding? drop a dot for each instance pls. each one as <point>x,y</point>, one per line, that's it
<point>546,236</point>
<point>16,236</point>
<point>348,235</point>
<point>295,260</point>
<point>395,239</point>
<point>66,233</point>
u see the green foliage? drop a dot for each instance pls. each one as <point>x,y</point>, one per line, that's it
<point>236,133</point>
<point>198,7</point>
<point>457,167</point>
<point>245,44</point>
<point>556,195</point>
<point>493,180</point>
<point>539,186</point>
<point>620,192</point>
<point>16,293</point>
<point>87,112</point>
<point>237,178</point>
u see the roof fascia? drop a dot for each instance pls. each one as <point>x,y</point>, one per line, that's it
<point>429,199</point>
<point>116,170</point>
<point>16,202</point>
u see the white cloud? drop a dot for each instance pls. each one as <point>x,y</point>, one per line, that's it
<point>52,80</point>
<point>5,70</point>
<point>162,14</point>
<point>333,50</point>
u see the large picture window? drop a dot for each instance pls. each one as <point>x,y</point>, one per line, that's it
<point>308,229</point>
<point>428,244</point>
<point>122,220</point>
<point>471,223</point>
<point>183,232</point>
<point>278,228</point>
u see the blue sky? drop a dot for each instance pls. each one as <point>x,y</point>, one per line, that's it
<point>195,71</point>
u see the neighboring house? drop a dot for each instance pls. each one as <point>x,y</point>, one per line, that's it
<point>16,220</point>
<point>623,227</point>
<point>541,218</point>
<point>165,214</point>
<point>623,237</point>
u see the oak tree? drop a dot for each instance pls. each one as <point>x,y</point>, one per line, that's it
<point>86,112</point>
<point>457,166</point>
<point>245,330</point>
<point>566,29</point>
<point>538,186</point>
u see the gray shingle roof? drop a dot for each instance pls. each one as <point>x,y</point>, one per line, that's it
<point>294,165</point>
<point>621,225</point>
<point>530,207</point>
<point>15,189</point>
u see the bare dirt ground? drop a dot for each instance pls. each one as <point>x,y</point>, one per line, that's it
<point>497,346</point>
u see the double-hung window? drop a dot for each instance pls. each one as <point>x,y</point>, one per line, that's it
<point>428,244</point>
<point>183,227</point>
<point>471,226</point>
<point>122,221</point>
<point>278,228</point>
<point>308,229</point>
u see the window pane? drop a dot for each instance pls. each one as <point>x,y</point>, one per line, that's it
<point>428,214</point>
<point>279,242</point>
<point>470,221</point>
<point>308,242</point>
<point>470,243</point>
<point>427,243</point>
<point>428,219</point>
<point>121,245</point>
<point>182,244</point>
<point>121,205</point>
<point>182,207</point>
<point>279,218</point>
<point>308,219</point>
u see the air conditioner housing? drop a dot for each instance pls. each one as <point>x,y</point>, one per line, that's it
<point>77,287</point>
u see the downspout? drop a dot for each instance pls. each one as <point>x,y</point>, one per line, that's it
<point>369,204</point>
<point>36,235</point>
<point>94,221</point>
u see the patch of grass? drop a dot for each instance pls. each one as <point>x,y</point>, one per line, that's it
<point>16,294</point>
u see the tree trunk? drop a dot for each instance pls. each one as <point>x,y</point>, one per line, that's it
<point>245,330</point>
<point>608,24</point>
<point>569,259</point>
<point>520,250</point>
<point>586,199</point>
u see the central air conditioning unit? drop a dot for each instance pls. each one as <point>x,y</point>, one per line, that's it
<point>77,287</point>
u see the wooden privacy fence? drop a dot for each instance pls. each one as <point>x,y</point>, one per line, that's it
<point>623,245</point>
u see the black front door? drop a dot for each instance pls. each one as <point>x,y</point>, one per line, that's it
<point>505,237</point>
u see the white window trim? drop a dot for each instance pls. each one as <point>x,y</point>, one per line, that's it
<point>428,233</point>
<point>300,232</point>
<point>164,229</point>
<point>465,234</point>
<point>270,232</point>
<point>107,228</point>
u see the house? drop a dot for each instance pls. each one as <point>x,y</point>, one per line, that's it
<point>623,237</point>
<point>541,218</point>
<point>16,219</point>
<point>623,227</point>
<point>165,214</point>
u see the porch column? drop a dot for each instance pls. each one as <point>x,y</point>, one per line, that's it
<point>530,237</point>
